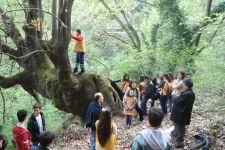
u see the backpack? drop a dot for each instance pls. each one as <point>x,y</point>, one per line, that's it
<point>201,141</point>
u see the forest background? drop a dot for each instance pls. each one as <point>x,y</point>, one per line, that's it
<point>136,37</point>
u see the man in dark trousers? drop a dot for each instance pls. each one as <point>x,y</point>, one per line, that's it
<point>181,112</point>
<point>79,49</point>
<point>36,124</point>
<point>92,116</point>
<point>146,95</point>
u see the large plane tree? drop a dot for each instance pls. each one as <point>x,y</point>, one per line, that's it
<point>45,63</point>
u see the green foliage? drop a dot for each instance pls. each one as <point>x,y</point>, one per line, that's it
<point>165,33</point>
<point>17,99</point>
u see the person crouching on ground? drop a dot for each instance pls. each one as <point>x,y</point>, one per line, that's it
<point>46,139</point>
<point>92,116</point>
<point>153,138</point>
<point>105,131</point>
<point>129,107</point>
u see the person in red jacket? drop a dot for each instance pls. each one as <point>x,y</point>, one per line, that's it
<point>79,49</point>
<point>21,135</point>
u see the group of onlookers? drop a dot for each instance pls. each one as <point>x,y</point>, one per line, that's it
<point>34,137</point>
<point>165,88</point>
<point>177,93</point>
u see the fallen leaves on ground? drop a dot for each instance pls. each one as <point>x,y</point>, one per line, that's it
<point>75,137</point>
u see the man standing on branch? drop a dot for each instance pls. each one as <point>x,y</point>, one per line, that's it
<point>79,49</point>
<point>181,112</point>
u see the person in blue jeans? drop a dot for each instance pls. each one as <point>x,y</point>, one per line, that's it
<point>93,112</point>
<point>79,49</point>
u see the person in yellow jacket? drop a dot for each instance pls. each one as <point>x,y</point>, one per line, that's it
<point>106,130</point>
<point>164,88</point>
<point>79,49</point>
<point>129,104</point>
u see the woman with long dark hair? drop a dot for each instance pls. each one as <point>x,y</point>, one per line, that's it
<point>106,131</point>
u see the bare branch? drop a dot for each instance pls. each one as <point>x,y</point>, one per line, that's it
<point>4,49</point>
<point>212,37</point>
<point>145,2</point>
<point>133,30</point>
<point>4,109</point>
<point>99,63</point>
<point>65,26</point>
<point>116,37</point>
<point>54,22</point>
<point>126,29</point>
<point>11,30</point>
<point>14,80</point>
<point>24,56</point>
<point>205,23</point>
<point>208,9</point>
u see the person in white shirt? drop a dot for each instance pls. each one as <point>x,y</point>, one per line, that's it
<point>36,124</point>
<point>177,86</point>
<point>153,138</point>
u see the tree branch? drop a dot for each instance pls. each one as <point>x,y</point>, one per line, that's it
<point>112,35</point>
<point>133,31</point>
<point>54,21</point>
<point>12,53</point>
<point>205,23</point>
<point>19,78</point>
<point>24,79</point>
<point>145,2</point>
<point>11,30</point>
<point>23,56</point>
<point>4,109</point>
<point>119,21</point>
<point>198,51</point>
<point>64,13</point>
<point>154,33</point>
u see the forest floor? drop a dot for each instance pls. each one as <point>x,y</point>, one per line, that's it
<point>74,137</point>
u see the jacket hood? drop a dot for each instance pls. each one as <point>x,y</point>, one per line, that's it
<point>156,138</point>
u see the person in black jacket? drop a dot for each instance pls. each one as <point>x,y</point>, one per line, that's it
<point>93,113</point>
<point>148,93</point>
<point>36,124</point>
<point>181,112</point>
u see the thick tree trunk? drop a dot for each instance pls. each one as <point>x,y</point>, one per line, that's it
<point>49,73</point>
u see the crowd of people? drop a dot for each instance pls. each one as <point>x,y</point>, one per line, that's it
<point>175,93</point>
<point>32,137</point>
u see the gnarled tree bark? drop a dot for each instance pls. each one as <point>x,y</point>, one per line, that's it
<point>49,73</point>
